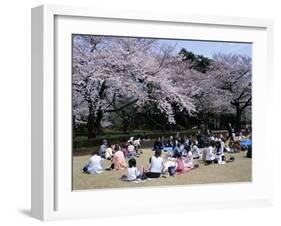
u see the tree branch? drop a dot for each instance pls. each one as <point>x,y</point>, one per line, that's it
<point>124,106</point>
<point>247,103</point>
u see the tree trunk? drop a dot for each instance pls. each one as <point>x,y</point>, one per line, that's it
<point>94,124</point>
<point>90,125</point>
<point>238,117</point>
<point>240,107</point>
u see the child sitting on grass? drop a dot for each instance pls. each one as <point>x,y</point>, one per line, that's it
<point>179,166</point>
<point>132,172</point>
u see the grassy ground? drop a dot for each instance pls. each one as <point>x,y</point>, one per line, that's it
<point>238,171</point>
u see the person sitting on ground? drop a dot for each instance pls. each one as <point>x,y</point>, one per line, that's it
<point>156,165</point>
<point>132,172</point>
<point>102,149</point>
<point>221,137</point>
<point>201,141</point>
<point>167,164</point>
<point>211,138</point>
<point>174,142</point>
<point>182,147</point>
<point>229,146</point>
<point>210,156</point>
<point>158,144</point>
<point>118,160</point>
<point>124,150</point>
<point>179,166</point>
<point>176,151</point>
<point>196,153</point>
<point>130,140</point>
<point>188,160</point>
<point>236,147</point>
<point>109,153</point>
<point>131,150</point>
<point>170,141</point>
<point>182,141</point>
<point>137,145</point>
<point>239,135</point>
<point>220,152</point>
<point>94,165</point>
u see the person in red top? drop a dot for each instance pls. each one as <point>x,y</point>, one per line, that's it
<point>179,166</point>
<point>179,163</point>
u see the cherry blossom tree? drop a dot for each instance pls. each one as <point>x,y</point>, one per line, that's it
<point>111,74</point>
<point>119,77</point>
<point>224,86</point>
<point>233,84</point>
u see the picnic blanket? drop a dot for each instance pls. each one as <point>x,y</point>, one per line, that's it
<point>246,143</point>
<point>167,149</point>
<point>137,181</point>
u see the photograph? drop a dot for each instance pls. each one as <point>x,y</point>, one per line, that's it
<point>152,112</point>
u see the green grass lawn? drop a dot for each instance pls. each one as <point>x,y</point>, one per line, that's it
<point>238,171</point>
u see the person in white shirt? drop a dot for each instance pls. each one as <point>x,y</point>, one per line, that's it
<point>156,166</point>
<point>94,165</point>
<point>210,155</point>
<point>109,153</point>
<point>131,147</point>
<point>137,143</point>
<point>132,172</point>
<point>188,160</point>
<point>131,150</point>
<point>196,153</point>
<point>220,152</point>
<point>131,140</point>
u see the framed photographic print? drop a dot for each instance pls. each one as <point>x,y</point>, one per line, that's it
<point>148,110</point>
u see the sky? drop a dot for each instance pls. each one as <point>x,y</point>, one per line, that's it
<point>208,48</point>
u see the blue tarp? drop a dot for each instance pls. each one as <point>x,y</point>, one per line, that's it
<point>245,142</point>
<point>167,149</point>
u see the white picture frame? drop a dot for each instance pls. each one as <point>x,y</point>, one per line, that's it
<point>52,197</point>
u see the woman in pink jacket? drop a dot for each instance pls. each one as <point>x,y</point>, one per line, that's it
<point>118,160</point>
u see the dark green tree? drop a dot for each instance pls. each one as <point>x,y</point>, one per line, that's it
<point>197,62</point>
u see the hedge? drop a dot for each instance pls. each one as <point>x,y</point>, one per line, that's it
<point>79,142</point>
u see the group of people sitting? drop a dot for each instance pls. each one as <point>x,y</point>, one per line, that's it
<point>211,151</point>
<point>116,156</point>
<point>129,149</point>
<point>209,148</point>
<point>178,160</point>
<point>115,153</point>
<point>156,167</point>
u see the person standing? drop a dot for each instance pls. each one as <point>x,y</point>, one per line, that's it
<point>231,132</point>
